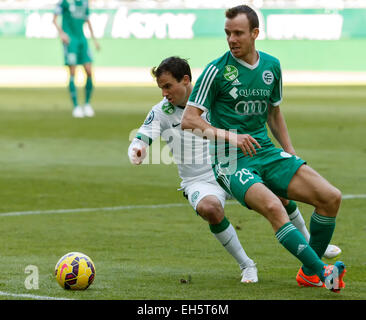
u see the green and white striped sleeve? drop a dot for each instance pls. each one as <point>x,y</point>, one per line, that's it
<point>204,91</point>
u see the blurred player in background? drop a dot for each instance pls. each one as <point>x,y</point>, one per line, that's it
<point>242,90</point>
<point>75,13</point>
<point>173,77</point>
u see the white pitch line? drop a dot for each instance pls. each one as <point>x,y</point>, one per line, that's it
<point>30,296</point>
<point>118,208</point>
<point>129,207</point>
<point>354,196</point>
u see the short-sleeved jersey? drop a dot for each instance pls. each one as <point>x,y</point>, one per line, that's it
<point>190,152</point>
<point>74,14</point>
<point>238,95</point>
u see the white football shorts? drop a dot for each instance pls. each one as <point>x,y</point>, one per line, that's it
<point>197,190</point>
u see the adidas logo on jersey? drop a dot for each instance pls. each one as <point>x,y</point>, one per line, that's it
<point>236,82</point>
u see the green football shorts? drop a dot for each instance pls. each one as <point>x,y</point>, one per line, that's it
<point>272,166</point>
<point>77,52</point>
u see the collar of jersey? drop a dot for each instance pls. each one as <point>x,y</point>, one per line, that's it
<point>247,65</point>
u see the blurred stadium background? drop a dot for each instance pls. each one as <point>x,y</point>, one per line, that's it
<point>317,41</point>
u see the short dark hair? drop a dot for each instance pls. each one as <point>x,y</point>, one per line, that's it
<point>244,9</point>
<point>178,68</point>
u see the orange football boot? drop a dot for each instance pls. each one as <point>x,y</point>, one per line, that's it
<point>304,280</point>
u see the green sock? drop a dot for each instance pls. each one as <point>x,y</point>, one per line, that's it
<point>294,241</point>
<point>73,91</point>
<point>291,207</point>
<point>88,89</point>
<point>321,232</point>
<point>217,228</point>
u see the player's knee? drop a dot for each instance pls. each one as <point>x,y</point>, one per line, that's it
<point>275,213</point>
<point>335,200</point>
<point>331,202</point>
<point>273,207</point>
<point>211,211</point>
<point>214,219</point>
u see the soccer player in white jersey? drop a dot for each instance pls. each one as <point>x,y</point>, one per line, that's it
<point>198,182</point>
<point>242,90</point>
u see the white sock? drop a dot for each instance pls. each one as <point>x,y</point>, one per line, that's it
<point>298,221</point>
<point>229,239</point>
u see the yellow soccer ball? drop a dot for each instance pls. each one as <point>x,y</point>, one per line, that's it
<point>75,271</point>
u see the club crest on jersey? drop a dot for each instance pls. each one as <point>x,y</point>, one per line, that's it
<point>267,77</point>
<point>149,118</point>
<point>230,73</point>
<point>168,108</point>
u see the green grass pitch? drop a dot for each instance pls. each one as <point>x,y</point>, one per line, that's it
<point>50,161</point>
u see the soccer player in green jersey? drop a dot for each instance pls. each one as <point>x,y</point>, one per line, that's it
<point>75,13</point>
<point>242,90</point>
